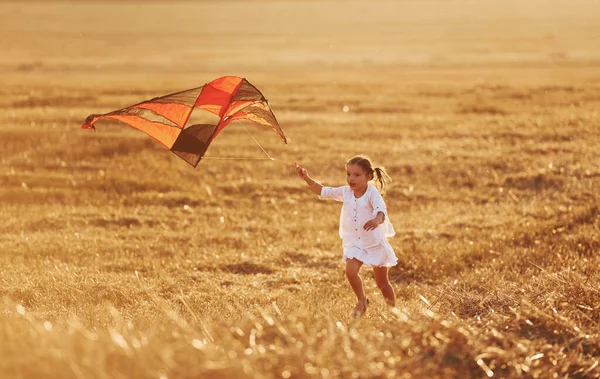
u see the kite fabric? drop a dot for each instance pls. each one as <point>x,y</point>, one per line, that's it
<point>165,118</point>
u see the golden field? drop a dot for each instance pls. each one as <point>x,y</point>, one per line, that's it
<point>119,260</point>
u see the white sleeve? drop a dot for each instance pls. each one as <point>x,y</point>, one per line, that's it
<point>378,204</point>
<point>331,193</point>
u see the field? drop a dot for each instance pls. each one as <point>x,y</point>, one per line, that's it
<point>119,260</point>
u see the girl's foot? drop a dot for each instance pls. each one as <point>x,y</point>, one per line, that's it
<point>360,308</point>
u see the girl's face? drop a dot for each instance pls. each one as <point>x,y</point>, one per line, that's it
<point>357,178</point>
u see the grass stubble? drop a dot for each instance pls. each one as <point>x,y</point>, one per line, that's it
<point>119,261</point>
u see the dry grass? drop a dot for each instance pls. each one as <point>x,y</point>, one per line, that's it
<point>118,260</point>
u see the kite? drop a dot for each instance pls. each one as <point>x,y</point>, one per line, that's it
<point>165,118</point>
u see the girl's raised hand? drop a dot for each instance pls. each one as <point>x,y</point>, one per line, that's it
<point>301,171</point>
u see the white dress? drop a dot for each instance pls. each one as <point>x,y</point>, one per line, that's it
<point>370,247</point>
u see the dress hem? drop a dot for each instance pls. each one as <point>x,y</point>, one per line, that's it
<point>344,258</point>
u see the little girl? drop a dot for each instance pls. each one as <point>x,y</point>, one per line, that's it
<point>364,226</point>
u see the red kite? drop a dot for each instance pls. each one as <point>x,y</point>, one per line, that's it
<point>164,118</point>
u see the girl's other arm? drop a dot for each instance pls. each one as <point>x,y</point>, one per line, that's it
<point>379,211</point>
<point>314,186</point>
<point>375,222</point>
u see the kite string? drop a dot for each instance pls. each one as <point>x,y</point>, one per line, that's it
<point>238,158</point>
<point>254,139</point>
<point>264,151</point>
<point>269,157</point>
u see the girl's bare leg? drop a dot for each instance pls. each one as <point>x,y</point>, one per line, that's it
<point>352,267</point>
<point>381,278</point>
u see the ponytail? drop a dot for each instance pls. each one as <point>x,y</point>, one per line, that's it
<point>382,178</point>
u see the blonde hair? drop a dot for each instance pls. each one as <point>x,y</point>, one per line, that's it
<point>380,176</point>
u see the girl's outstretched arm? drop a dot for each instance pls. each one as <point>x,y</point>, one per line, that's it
<point>314,186</point>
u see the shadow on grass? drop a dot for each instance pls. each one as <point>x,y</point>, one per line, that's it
<point>246,268</point>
